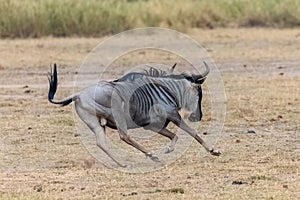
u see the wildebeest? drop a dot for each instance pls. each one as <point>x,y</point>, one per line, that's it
<point>149,100</point>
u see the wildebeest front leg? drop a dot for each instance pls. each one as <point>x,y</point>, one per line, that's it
<point>180,123</point>
<point>172,136</point>
<point>126,138</point>
<point>121,123</point>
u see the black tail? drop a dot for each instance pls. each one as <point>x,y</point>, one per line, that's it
<point>52,77</point>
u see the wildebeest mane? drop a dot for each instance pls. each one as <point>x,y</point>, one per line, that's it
<point>153,72</point>
<point>158,73</point>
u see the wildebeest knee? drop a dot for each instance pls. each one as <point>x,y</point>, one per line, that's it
<point>123,136</point>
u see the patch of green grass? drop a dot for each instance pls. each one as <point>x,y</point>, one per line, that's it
<point>6,104</point>
<point>37,18</point>
<point>157,190</point>
<point>172,190</point>
<point>176,190</point>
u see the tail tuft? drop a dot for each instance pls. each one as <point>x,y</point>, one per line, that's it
<point>52,78</point>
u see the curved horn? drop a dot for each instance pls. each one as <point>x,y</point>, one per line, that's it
<point>207,69</point>
<point>202,76</point>
<point>173,67</point>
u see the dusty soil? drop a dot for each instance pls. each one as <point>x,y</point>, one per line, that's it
<point>42,156</point>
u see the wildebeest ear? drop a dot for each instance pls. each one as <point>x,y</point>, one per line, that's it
<point>200,81</point>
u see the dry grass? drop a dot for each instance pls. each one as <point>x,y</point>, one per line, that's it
<point>42,159</point>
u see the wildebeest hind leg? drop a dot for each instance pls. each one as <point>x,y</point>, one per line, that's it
<point>101,143</point>
<point>92,122</point>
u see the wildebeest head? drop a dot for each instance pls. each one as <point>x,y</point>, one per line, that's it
<point>198,80</point>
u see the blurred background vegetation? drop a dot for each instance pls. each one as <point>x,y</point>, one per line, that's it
<point>37,18</point>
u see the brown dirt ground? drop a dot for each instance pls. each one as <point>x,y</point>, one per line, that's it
<point>41,157</point>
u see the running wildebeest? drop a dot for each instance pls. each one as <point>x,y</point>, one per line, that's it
<point>150,100</point>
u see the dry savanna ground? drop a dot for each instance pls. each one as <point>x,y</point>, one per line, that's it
<point>42,156</point>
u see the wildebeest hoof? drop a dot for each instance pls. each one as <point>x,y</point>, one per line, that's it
<point>215,152</point>
<point>123,165</point>
<point>168,149</point>
<point>153,157</point>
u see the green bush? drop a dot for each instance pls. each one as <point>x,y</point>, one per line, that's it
<point>37,18</point>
